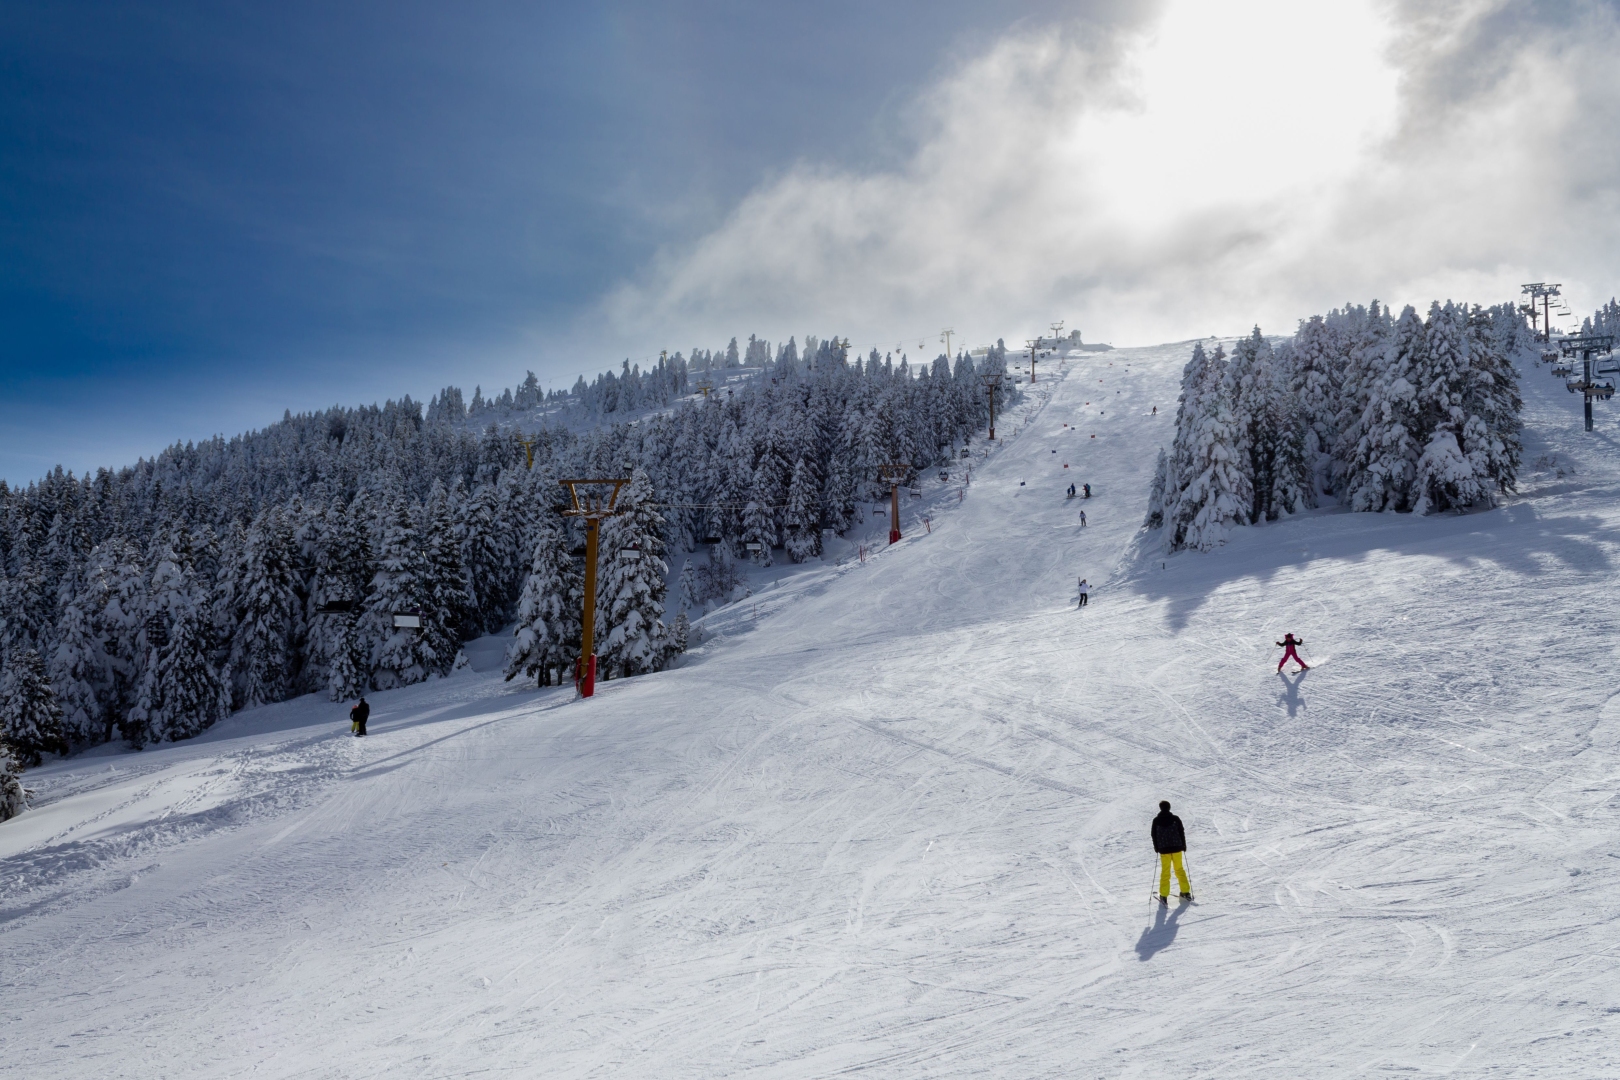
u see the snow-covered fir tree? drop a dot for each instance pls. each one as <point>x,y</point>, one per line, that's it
<point>630,587</point>
<point>401,656</point>
<point>448,593</point>
<point>30,718</point>
<point>267,612</point>
<point>803,514</point>
<point>88,564</point>
<point>546,641</point>
<point>180,692</point>
<point>1382,414</point>
<point>13,796</point>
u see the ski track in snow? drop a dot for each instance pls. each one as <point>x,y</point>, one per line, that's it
<point>891,818</point>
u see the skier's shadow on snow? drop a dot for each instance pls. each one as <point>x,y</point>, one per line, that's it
<point>1161,933</point>
<point>1290,696</point>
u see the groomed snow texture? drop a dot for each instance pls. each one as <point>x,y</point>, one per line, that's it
<point>890,819</point>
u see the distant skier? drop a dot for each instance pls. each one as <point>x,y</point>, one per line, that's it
<point>357,718</point>
<point>1082,519</point>
<point>1287,644</point>
<point>1155,411</point>
<point>1084,589</point>
<point>1170,841</point>
<point>1071,491</point>
<point>1087,488</point>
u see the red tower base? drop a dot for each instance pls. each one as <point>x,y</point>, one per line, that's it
<point>585,675</point>
<point>894,534</point>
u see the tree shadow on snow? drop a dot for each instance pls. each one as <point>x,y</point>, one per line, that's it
<point>1290,695</point>
<point>1163,931</point>
<point>1518,538</point>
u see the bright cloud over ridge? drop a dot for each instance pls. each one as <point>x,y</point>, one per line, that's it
<point>1232,162</point>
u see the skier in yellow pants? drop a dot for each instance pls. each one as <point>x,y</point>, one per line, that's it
<point>1170,841</point>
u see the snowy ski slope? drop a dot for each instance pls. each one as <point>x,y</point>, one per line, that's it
<point>891,818</point>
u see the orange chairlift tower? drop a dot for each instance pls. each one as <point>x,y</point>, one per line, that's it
<point>593,501</point>
<point>894,474</point>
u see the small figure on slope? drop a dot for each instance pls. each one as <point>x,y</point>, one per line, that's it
<point>1170,841</point>
<point>1071,491</point>
<point>1084,588</point>
<point>358,717</point>
<point>1082,519</point>
<point>1287,644</point>
<point>1087,489</point>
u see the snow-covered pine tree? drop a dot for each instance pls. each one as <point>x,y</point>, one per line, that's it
<point>79,670</point>
<point>119,621</point>
<point>343,568</point>
<point>449,598</point>
<point>180,692</point>
<point>267,612</point>
<point>400,655</point>
<point>1219,495</point>
<point>1293,467</point>
<point>1312,381</point>
<point>547,638</point>
<point>1179,468</point>
<point>688,594</point>
<point>630,591</point>
<point>803,515</point>
<point>1155,511</point>
<point>1445,477</point>
<point>13,796</point>
<point>488,553</point>
<point>1492,401</point>
<point>1378,471</point>
<point>30,718</point>
<point>1248,388</point>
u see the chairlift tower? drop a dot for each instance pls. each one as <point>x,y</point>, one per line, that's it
<point>1588,347</point>
<point>528,447</point>
<point>894,474</point>
<point>1033,345</point>
<point>945,336</point>
<point>991,380</point>
<point>1057,328</point>
<point>1543,291</point>
<point>593,500</point>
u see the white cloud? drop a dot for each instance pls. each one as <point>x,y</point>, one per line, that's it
<point>1239,161</point>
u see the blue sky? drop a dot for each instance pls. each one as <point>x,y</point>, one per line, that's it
<point>214,211</point>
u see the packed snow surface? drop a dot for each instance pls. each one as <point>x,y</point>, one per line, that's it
<point>891,818</point>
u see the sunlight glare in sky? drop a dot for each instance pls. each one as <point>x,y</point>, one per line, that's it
<point>1240,100</point>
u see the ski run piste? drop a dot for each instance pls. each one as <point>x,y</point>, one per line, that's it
<point>889,818</point>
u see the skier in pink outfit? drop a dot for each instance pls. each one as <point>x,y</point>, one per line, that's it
<point>1288,643</point>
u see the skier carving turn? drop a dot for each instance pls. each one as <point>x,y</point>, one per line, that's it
<point>1287,644</point>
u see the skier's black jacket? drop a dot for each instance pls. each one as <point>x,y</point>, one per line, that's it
<point>1168,836</point>
<point>360,713</point>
